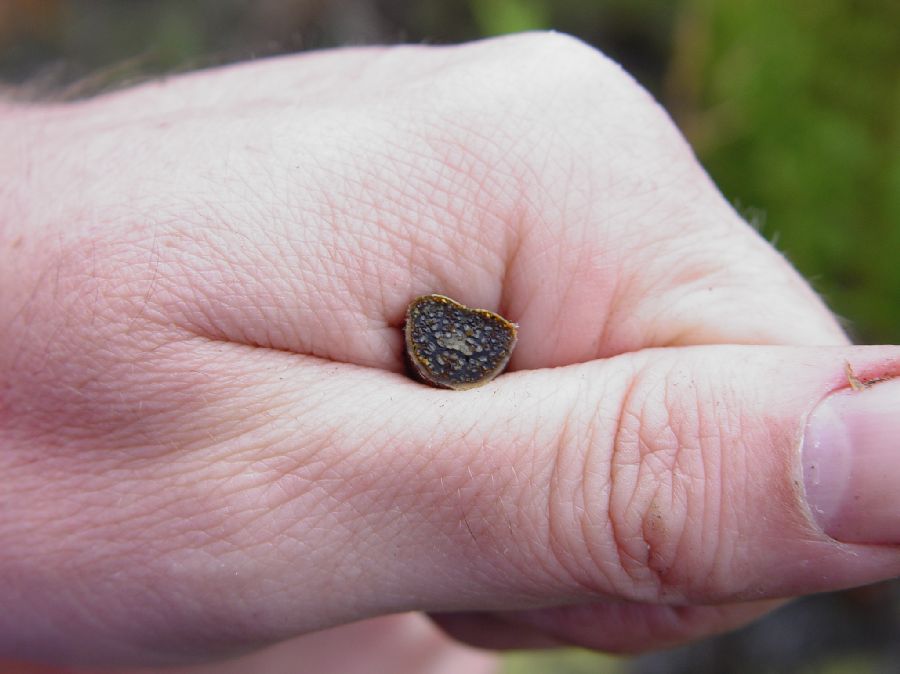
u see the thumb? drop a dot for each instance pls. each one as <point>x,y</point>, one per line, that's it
<point>694,475</point>
<point>713,474</point>
<point>320,493</point>
<point>678,475</point>
<point>672,475</point>
<point>849,461</point>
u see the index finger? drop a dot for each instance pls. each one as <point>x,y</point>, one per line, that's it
<point>555,191</point>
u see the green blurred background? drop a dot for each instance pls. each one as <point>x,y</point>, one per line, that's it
<point>792,105</point>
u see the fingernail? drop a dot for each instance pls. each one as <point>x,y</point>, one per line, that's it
<point>851,464</point>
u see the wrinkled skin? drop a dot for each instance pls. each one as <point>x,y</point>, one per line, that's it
<point>208,444</point>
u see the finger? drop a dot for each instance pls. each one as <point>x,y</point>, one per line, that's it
<point>291,493</point>
<point>495,631</point>
<point>555,191</point>
<point>387,645</point>
<point>610,626</point>
<point>634,248</point>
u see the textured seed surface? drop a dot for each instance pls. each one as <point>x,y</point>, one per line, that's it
<point>452,346</point>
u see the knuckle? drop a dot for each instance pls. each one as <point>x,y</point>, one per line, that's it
<point>529,81</point>
<point>554,55</point>
<point>556,81</point>
<point>555,106</point>
<point>648,502</point>
<point>681,521</point>
<point>659,504</point>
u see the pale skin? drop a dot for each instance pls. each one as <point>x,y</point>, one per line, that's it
<point>207,441</point>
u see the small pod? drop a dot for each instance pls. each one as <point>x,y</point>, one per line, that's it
<point>449,345</point>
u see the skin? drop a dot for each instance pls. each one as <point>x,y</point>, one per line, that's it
<point>207,440</point>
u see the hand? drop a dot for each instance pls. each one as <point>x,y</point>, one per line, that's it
<point>206,439</point>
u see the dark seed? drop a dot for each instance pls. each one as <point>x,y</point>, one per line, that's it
<point>449,345</point>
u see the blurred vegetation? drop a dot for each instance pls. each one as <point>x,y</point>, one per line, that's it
<point>565,661</point>
<point>794,108</point>
<point>792,105</point>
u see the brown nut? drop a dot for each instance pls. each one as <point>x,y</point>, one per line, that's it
<point>449,345</point>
